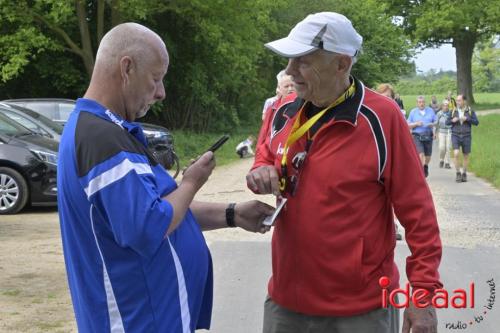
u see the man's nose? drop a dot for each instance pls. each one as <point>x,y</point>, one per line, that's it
<point>291,68</point>
<point>160,92</point>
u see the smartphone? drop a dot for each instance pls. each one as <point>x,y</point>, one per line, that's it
<point>269,221</point>
<point>219,143</point>
<point>213,148</point>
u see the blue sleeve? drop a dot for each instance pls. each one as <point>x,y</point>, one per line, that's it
<point>123,191</point>
<point>473,119</point>
<point>410,117</point>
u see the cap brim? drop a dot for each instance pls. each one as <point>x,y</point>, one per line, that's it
<point>289,48</point>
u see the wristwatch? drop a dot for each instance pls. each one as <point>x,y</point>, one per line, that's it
<point>230,215</point>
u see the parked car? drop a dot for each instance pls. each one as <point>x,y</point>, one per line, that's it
<point>28,166</point>
<point>160,140</point>
<point>32,120</point>
<point>56,109</point>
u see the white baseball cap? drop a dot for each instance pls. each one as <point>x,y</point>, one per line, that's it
<point>327,30</point>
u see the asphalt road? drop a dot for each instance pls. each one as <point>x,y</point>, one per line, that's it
<point>469,217</point>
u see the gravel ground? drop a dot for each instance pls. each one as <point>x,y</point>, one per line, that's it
<point>468,213</point>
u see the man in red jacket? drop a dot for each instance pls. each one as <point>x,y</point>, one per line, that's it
<point>343,157</point>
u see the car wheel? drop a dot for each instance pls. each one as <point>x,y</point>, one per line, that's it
<point>13,191</point>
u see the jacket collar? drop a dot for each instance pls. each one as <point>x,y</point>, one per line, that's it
<point>346,111</point>
<point>94,107</point>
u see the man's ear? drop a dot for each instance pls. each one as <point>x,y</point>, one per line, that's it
<point>126,66</point>
<point>344,63</point>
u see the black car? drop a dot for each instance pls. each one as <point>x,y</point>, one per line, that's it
<point>34,121</point>
<point>160,140</point>
<point>28,166</point>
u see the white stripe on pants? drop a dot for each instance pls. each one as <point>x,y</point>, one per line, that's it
<point>445,146</point>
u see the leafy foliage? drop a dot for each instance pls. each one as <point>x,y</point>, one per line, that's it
<point>386,50</point>
<point>462,23</point>
<point>486,66</point>
<point>427,84</point>
<point>220,72</point>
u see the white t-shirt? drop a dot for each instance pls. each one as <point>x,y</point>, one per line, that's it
<point>461,113</point>
<point>268,103</point>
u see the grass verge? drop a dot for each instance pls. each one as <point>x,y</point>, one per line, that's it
<point>189,145</point>
<point>485,156</point>
<point>484,101</point>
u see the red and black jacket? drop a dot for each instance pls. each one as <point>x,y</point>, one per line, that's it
<point>336,236</point>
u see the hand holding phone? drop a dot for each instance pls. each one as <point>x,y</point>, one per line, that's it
<point>269,221</point>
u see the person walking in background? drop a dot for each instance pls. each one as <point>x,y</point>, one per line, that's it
<point>387,90</point>
<point>269,102</point>
<point>398,100</point>
<point>422,121</point>
<point>453,103</point>
<point>461,121</point>
<point>434,105</point>
<point>284,87</point>
<point>285,84</point>
<point>444,135</point>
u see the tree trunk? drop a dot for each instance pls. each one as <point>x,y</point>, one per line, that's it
<point>116,17</point>
<point>88,55</point>
<point>464,47</point>
<point>100,20</point>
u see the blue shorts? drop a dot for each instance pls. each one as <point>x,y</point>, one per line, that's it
<point>462,141</point>
<point>423,143</point>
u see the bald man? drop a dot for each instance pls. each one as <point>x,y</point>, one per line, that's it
<point>135,256</point>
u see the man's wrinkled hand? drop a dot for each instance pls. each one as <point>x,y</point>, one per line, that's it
<point>199,171</point>
<point>264,180</point>
<point>250,214</point>
<point>419,320</point>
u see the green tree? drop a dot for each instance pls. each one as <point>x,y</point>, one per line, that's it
<point>486,66</point>
<point>220,72</point>
<point>386,50</point>
<point>430,83</point>
<point>463,23</point>
<point>75,26</point>
<point>216,50</point>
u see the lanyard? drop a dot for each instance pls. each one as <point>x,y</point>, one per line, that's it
<point>299,130</point>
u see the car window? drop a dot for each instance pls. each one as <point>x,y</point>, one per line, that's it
<point>49,123</point>
<point>65,110</point>
<point>48,109</point>
<point>26,122</point>
<point>10,127</point>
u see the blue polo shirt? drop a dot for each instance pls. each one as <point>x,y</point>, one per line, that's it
<point>124,274</point>
<point>427,118</point>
